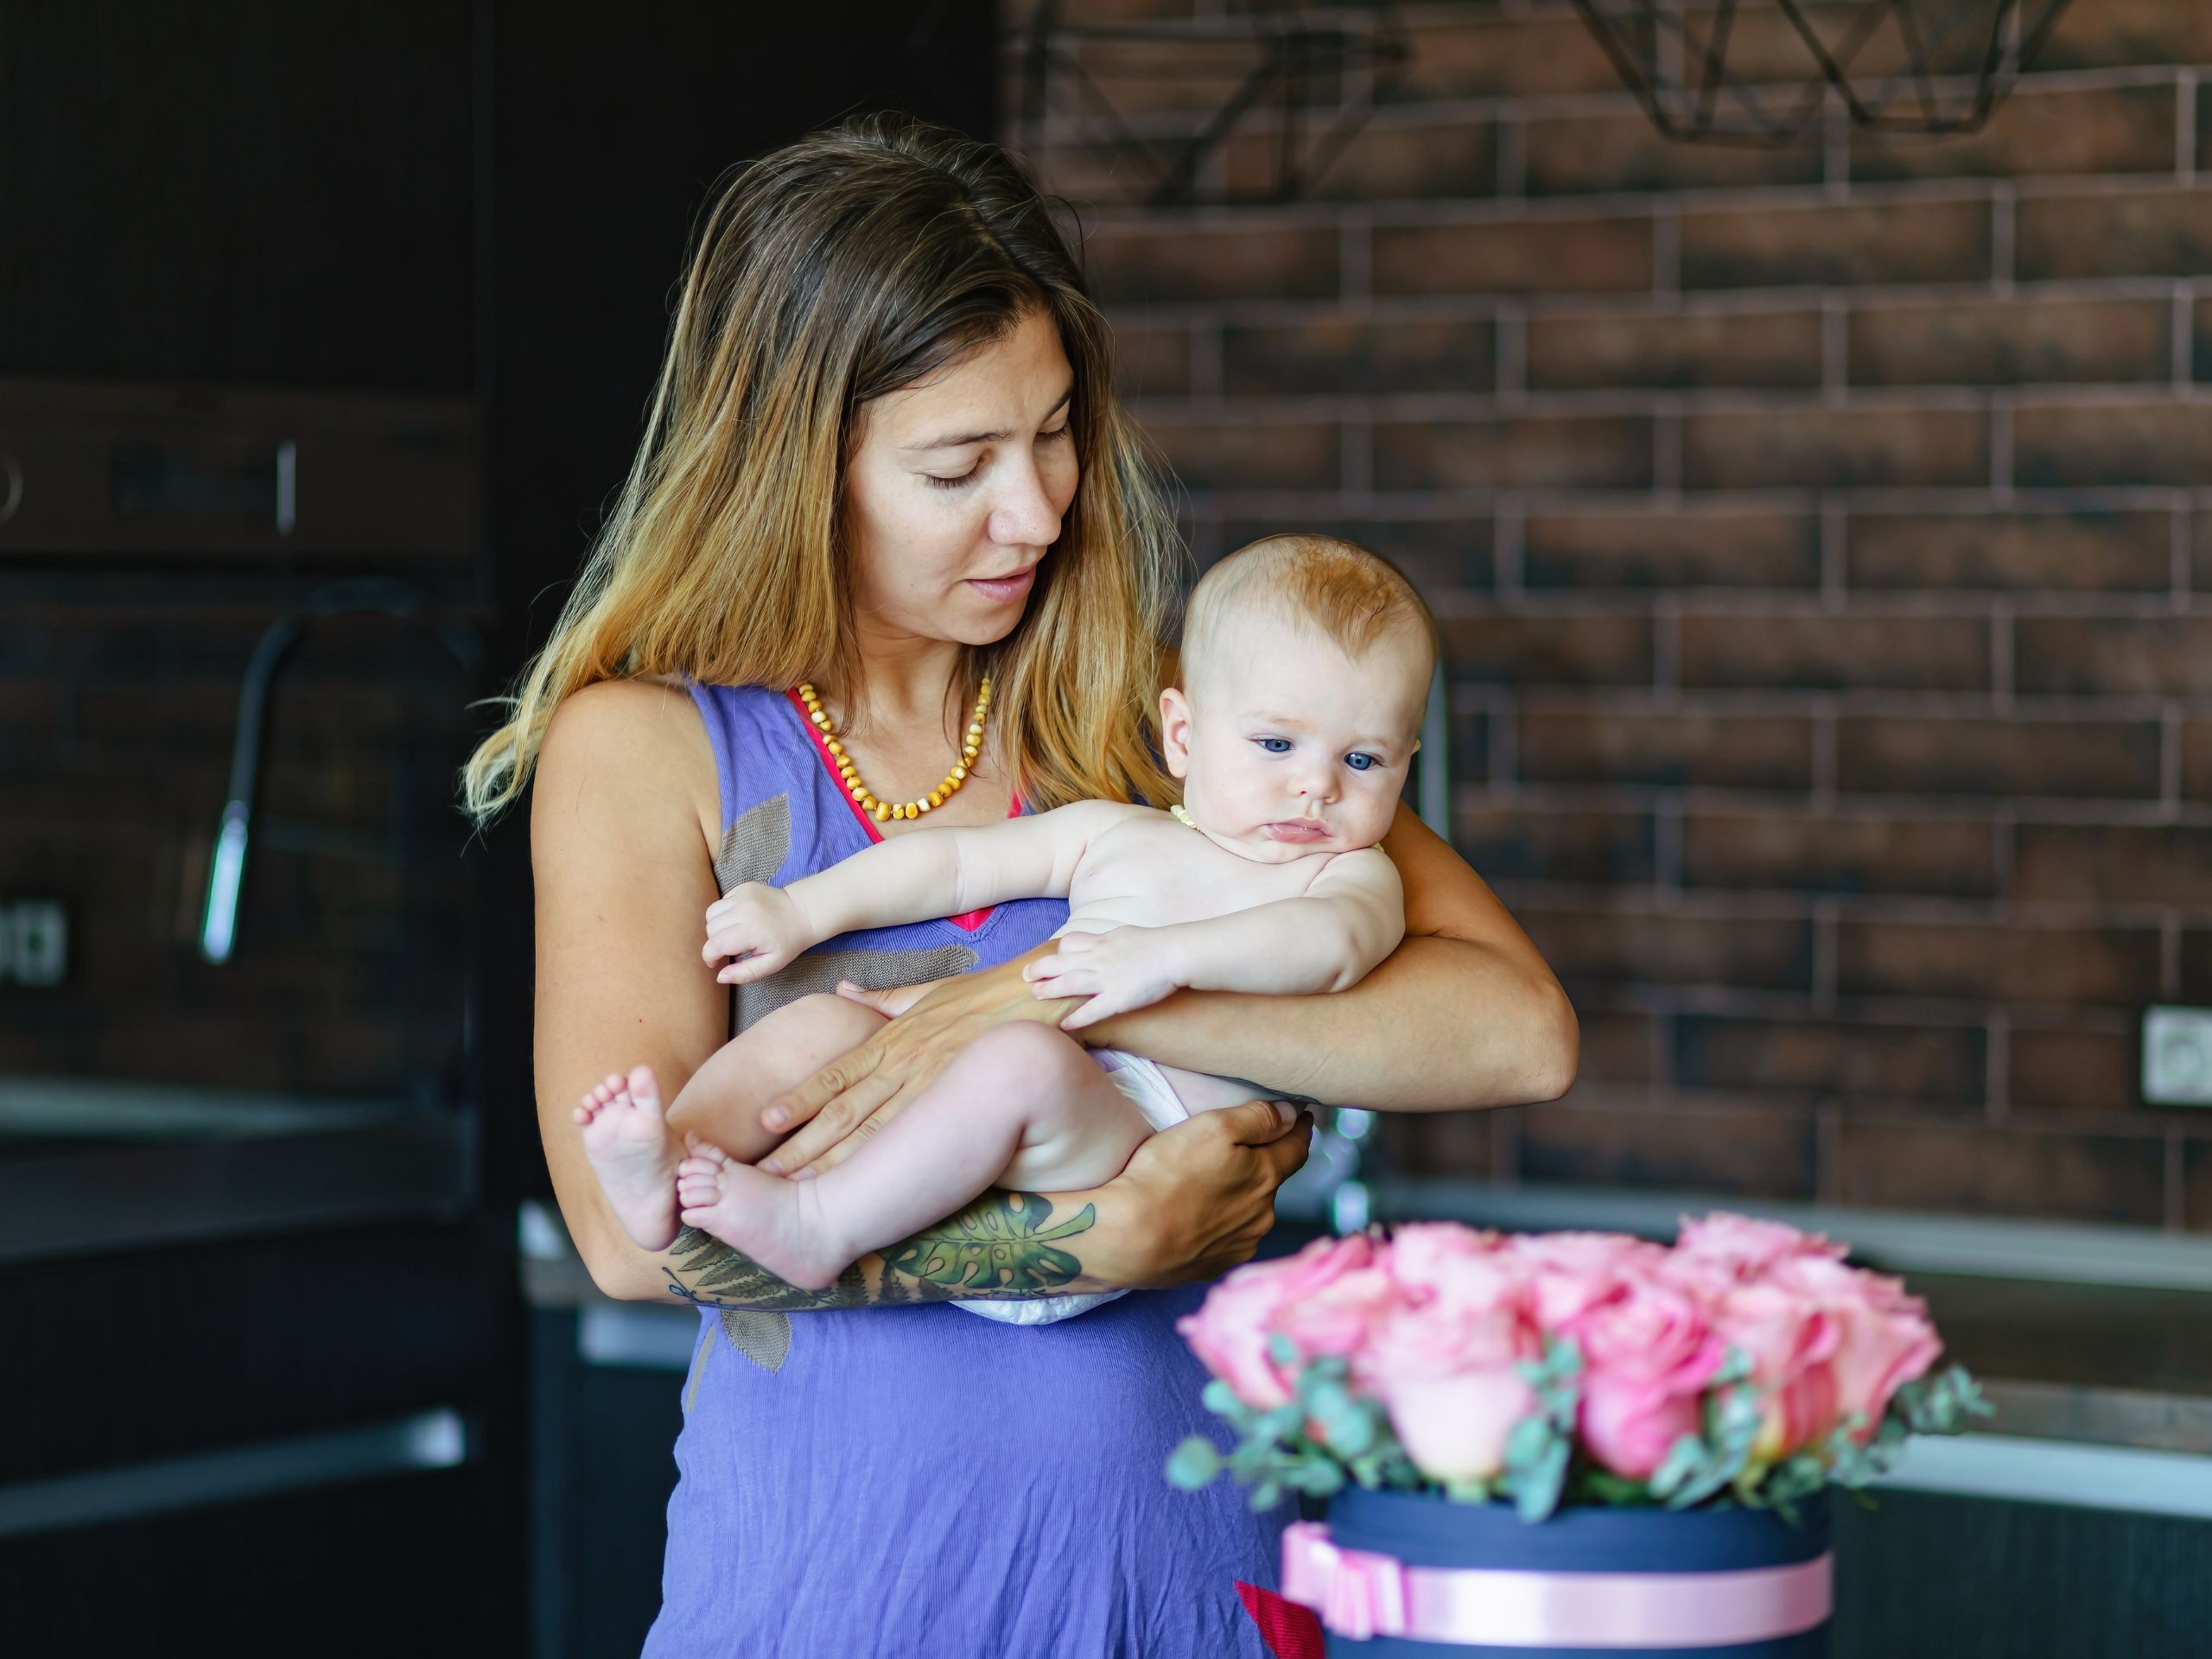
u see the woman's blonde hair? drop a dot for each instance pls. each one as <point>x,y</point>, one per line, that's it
<point>856,261</point>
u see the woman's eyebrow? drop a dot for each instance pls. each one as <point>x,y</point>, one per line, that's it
<point>984,437</point>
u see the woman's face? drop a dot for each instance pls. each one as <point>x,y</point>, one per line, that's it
<point>955,489</point>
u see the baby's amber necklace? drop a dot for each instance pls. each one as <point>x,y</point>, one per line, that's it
<point>970,746</point>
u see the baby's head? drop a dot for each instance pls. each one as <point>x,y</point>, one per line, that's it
<point>1305,667</point>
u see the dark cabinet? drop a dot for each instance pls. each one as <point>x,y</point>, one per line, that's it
<point>284,1446</point>
<point>240,190</point>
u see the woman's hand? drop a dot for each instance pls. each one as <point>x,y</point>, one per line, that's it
<point>865,1087</point>
<point>1202,1193</point>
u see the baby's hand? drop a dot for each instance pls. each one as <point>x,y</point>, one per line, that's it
<point>1122,968</point>
<point>758,929</point>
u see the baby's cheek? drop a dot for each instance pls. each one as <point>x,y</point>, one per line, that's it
<point>1373,815</point>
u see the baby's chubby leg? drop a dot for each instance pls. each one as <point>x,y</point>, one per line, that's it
<point>634,1146</point>
<point>1023,1104</point>
<point>723,1101</point>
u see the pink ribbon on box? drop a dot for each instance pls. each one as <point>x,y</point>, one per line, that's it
<point>1358,1594</point>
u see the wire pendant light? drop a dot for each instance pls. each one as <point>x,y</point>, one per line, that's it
<point>1291,87</point>
<point>1763,71</point>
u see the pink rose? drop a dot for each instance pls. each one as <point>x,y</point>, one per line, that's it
<point>1884,1339</point>
<point>1231,1330</point>
<point>1574,1272</point>
<point>1750,1246</point>
<point>1443,1261</point>
<point>1419,1251</point>
<point>1648,1355</point>
<point>1791,1343</point>
<point>1338,1319</point>
<point>1455,1428</point>
<point>1445,1366</point>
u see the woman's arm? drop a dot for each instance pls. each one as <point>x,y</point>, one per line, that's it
<point>1465,1013</point>
<point>1194,1202</point>
<point>622,817</point>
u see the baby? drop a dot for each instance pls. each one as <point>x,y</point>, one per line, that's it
<point>1306,663</point>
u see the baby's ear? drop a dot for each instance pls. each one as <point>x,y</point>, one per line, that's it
<point>1175,731</point>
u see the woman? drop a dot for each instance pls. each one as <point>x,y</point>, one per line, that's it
<point>884,458</point>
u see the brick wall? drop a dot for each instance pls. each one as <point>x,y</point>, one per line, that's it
<point>1823,541</point>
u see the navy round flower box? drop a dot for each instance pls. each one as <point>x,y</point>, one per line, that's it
<point>1397,1575</point>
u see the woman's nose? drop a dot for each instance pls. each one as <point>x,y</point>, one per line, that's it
<point>1023,517</point>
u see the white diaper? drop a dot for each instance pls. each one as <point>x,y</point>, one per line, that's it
<point>1145,1084</point>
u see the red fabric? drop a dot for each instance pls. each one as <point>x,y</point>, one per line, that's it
<point>969,920</point>
<point>1290,1631</point>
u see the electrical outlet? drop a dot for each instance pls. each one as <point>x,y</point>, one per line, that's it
<point>2177,1057</point>
<point>33,942</point>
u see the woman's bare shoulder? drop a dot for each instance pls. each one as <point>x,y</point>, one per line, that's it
<point>632,751</point>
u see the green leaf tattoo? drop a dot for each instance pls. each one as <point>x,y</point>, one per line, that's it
<point>730,1278</point>
<point>998,1246</point>
<point>999,1243</point>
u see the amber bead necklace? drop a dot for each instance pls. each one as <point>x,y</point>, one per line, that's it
<point>970,746</point>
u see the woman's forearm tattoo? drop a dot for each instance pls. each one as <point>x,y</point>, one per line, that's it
<point>999,1247</point>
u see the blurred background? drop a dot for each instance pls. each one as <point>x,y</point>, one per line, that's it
<point>1816,514</point>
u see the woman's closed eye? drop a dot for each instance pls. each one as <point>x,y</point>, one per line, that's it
<point>961,480</point>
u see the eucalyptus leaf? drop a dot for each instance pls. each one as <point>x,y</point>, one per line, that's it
<point>1603,1486</point>
<point>1194,1464</point>
<point>1528,1440</point>
<point>1321,1479</point>
<point>1537,1490</point>
<point>1684,1459</point>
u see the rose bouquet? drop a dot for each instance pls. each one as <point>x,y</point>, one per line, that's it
<point>1745,1369</point>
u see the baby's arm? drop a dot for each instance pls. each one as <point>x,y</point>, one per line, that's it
<point>1326,939</point>
<point>910,878</point>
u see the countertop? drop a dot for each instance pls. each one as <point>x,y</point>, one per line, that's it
<point>88,1166</point>
<point>2089,1364</point>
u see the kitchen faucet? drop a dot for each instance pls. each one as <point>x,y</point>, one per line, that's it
<point>226,868</point>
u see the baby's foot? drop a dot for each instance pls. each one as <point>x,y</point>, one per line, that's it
<point>626,1138</point>
<point>764,1216</point>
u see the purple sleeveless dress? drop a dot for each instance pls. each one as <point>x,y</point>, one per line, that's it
<point>916,1483</point>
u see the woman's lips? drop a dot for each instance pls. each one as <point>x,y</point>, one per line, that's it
<point>1298,830</point>
<point>1003,588</point>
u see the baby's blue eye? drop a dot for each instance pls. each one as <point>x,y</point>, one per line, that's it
<point>1274,745</point>
<point>1361,762</point>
